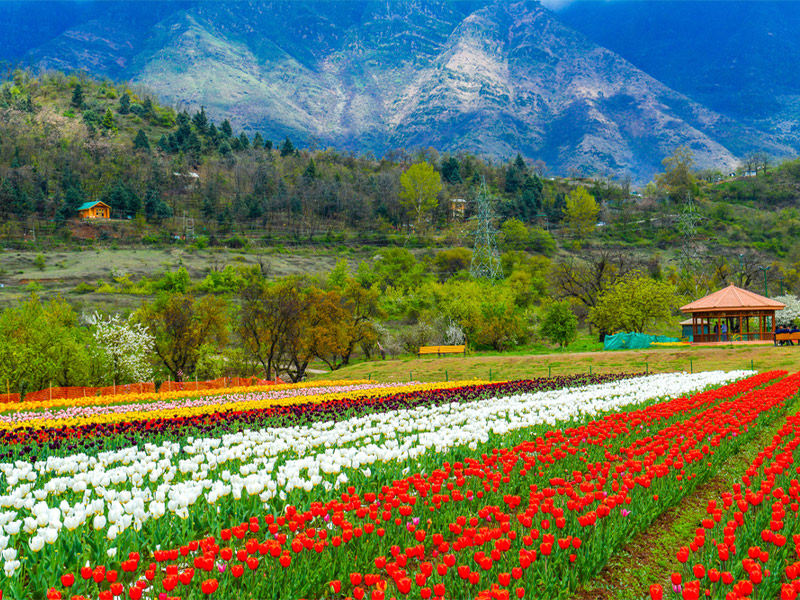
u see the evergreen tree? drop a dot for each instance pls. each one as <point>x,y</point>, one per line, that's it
<point>287,148</point>
<point>515,175</point>
<point>200,121</point>
<point>258,141</point>
<point>311,170</point>
<point>73,198</point>
<point>529,199</point>
<point>226,129</point>
<point>147,108</point>
<point>124,104</point>
<point>451,170</point>
<point>108,122</point>
<point>244,141</point>
<point>77,96</point>
<point>155,208</point>
<point>213,134</point>
<point>140,141</point>
<point>268,145</point>
<point>163,143</point>
<point>193,143</point>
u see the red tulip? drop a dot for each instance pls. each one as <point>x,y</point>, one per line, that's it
<point>656,593</point>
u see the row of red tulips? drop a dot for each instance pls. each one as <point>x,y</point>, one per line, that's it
<point>533,519</point>
<point>749,542</point>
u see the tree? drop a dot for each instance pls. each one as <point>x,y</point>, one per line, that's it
<point>183,328</point>
<point>200,121</point>
<point>124,104</point>
<point>515,175</point>
<point>41,345</point>
<point>451,170</point>
<point>109,122</point>
<point>268,320</point>
<point>790,314</point>
<point>677,179</point>
<point>513,235</point>
<point>124,347</point>
<point>287,148</point>
<point>420,185</point>
<point>77,96</point>
<point>560,325</point>
<point>581,212</point>
<point>583,279</point>
<point>633,303</point>
<point>140,142</point>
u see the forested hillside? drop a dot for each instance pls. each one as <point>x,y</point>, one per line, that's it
<point>182,187</point>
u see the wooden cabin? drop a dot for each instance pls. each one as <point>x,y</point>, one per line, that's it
<point>94,210</point>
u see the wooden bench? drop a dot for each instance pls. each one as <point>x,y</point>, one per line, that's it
<point>439,350</point>
<point>787,337</point>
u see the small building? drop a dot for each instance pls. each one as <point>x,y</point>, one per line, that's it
<point>732,314</point>
<point>686,329</point>
<point>94,210</point>
<point>458,207</point>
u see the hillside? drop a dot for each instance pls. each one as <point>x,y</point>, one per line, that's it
<point>488,78</point>
<point>172,175</point>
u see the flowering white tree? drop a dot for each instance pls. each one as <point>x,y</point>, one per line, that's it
<point>125,347</point>
<point>791,313</point>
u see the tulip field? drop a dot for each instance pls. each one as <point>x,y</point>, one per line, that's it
<point>335,490</point>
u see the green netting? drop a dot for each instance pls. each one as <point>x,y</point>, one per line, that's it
<point>634,341</point>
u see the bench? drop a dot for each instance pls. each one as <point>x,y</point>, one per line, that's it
<point>787,337</point>
<point>439,350</point>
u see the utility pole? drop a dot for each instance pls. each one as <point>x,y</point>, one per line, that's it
<point>765,269</point>
<point>485,258</point>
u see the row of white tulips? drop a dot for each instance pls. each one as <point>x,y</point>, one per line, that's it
<point>111,492</point>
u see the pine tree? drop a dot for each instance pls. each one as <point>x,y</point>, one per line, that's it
<point>287,147</point>
<point>311,170</point>
<point>200,121</point>
<point>258,141</point>
<point>451,170</point>
<point>244,141</point>
<point>124,104</point>
<point>108,121</point>
<point>226,129</point>
<point>140,141</point>
<point>77,96</point>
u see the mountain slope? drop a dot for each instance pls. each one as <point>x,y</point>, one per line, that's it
<point>491,78</point>
<point>737,58</point>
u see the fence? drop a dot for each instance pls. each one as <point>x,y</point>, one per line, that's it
<point>67,393</point>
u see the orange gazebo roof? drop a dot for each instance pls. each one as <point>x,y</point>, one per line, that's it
<point>732,298</point>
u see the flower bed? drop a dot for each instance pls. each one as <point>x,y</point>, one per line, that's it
<point>749,542</point>
<point>477,454</point>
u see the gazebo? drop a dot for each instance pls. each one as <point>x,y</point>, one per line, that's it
<point>733,314</point>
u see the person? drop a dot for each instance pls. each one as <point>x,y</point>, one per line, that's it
<point>724,331</point>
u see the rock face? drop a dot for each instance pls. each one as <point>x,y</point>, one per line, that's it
<point>492,78</point>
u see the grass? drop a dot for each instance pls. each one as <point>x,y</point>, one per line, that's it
<point>507,366</point>
<point>66,269</point>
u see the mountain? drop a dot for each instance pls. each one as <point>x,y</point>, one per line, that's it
<point>737,58</point>
<point>494,78</point>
